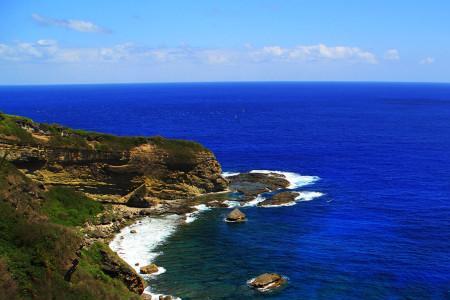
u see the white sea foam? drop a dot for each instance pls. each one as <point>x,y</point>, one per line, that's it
<point>296,180</point>
<point>140,247</point>
<point>231,203</point>
<point>154,296</point>
<point>228,174</point>
<point>255,201</point>
<point>308,196</point>
<point>191,217</point>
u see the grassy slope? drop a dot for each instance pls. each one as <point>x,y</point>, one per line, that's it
<point>70,208</point>
<point>80,139</point>
<point>34,254</point>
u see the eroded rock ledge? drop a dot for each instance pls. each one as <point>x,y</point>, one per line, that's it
<point>107,167</point>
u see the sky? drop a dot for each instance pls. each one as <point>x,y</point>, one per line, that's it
<point>60,42</point>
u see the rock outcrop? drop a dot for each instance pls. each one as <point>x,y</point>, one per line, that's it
<point>282,198</point>
<point>150,269</point>
<point>133,170</point>
<point>236,216</point>
<point>251,185</point>
<point>116,268</point>
<point>267,281</point>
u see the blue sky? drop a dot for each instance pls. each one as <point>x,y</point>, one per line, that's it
<point>49,41</point>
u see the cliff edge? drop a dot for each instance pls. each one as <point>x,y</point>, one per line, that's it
<point>108,167</point>
<point>54,184</point>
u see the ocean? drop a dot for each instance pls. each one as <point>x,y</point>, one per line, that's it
<point>379,230</point>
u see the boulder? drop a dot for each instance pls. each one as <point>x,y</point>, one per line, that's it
<point>150,269</point>
<point>133,231</point>
<point>236,216</point>
<point>267,281</point>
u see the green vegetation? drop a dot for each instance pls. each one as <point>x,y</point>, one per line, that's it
<point>75,142</point>
<point>35,257</point>
<point>36,254</point>
<point>90,273</point>
<point>12,127</point>
<point>9,127</point>
<point>70,208</point>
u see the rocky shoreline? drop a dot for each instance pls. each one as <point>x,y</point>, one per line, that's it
<point>89,186</point>
<point>244,188</point>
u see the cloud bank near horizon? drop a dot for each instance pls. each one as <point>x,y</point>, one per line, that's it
<point>50,51</point>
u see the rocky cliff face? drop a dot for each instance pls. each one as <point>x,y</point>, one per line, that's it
<point>107,167</point>
<point>41,235</point>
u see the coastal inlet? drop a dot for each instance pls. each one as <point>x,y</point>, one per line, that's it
<point>172,241</point>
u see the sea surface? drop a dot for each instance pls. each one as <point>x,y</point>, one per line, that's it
<point>381,230</point>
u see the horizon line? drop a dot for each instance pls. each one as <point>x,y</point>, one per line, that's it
<point>223,82</point>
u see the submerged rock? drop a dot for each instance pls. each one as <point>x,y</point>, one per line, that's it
<point>267,281</point>
<point>150,269</point>
<point>236,216</point>
<point>282,198</point>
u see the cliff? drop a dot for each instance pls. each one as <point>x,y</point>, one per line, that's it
<point>54,183</point>
<point>109,167</point>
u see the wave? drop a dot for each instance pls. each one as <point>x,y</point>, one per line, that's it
<point>295,180</point>
<point>308,196</point>
<point>157,296</point>
<point>255,201</point>
<point>232,204</point>
<point>191,217</point>
<point>229,174</point>
<point>139,248</point>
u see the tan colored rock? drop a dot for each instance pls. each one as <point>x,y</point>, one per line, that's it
<point>236,216</point>
<point>150,269</point>
<point>267,281</point>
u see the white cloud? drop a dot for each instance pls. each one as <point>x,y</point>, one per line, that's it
<point>77,25</point>
<point>427,61</point>
<point>319,52</point>
<point>50,51</point>
<point>392,54</point>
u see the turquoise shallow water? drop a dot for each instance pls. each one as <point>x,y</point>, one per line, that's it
<point>382,152</point>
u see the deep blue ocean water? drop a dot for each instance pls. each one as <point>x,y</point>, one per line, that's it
<point>382,151</point>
